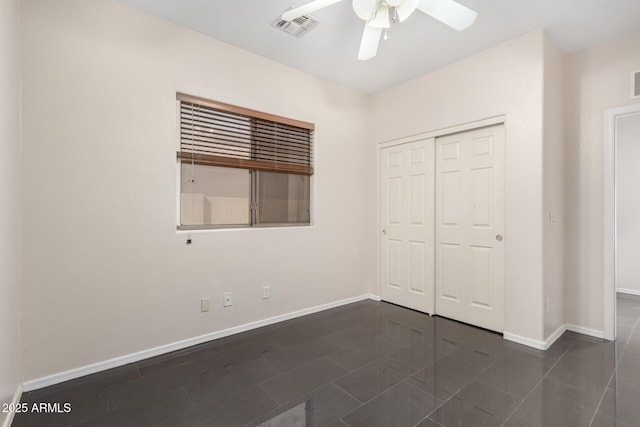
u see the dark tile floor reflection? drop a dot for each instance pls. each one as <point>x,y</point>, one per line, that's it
<point>367,364</point>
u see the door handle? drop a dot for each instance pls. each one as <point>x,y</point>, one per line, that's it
<point>384,231</point>
<point>499,237</point>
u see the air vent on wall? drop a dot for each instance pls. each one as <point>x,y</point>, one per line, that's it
<point>298,27</point>
<point>635,84</point>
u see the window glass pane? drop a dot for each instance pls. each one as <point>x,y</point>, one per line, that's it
<point>282,198</point>
<point>211,195</point>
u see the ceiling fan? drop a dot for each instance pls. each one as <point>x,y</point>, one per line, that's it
<point>380,14</point>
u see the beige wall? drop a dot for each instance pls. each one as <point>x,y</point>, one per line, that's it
<point>10,242</point>
<point>553,191</point>
<point>597,79</point>
<point>106,274</point>
<point>506,80</point>
<point>628,203</point>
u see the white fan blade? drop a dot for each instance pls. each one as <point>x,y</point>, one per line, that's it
<point>364,8</point>
<point>406,9</point>
<point>310,7</point>
<point>449,12</point>
<point>370,42</point>
<point>380,18</point>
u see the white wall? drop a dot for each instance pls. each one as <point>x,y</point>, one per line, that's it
<point>506,80</point>
<point>553,192</point>
<point>10,222</point>
<point>628,204</point>
<point>596,79</point>
<point>105,273</point>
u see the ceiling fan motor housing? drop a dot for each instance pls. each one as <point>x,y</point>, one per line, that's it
<point>378,12</point>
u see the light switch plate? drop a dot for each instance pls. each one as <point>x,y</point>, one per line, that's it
<point>205,304</point>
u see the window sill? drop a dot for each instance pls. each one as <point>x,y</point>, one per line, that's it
<point>180,230</point>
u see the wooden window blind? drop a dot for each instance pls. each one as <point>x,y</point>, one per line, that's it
<point>217,134</point>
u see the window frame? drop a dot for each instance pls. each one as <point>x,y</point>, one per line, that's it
<point>253,179</point>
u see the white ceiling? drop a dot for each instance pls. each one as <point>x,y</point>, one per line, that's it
<point>414,47</point>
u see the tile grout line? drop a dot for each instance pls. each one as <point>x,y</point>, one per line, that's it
<point>537,384</point>
<point>294,369</point>
<point>593,417</point>
<point>310,391</point>
<point>415,370</point>
<point>613,374</point>
<point>348,371</point>
<point>377,395</point>
<point>382,392</point>
<point>333,382</point>
<point>188,396</point>
<point>269,362</point>
<point>452,395</point>
<point>353,370</point>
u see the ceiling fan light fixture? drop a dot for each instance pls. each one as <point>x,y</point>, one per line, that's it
<point>406,8</point>
<point>380,18</point>
<point>364,8</point>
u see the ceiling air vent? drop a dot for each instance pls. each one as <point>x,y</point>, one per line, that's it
<point>635,84</point>
<point>298,27</point>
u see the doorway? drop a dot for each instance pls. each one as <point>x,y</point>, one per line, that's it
<point>621,209</point>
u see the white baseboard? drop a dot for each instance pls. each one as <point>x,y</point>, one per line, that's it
<point>16,399</point>
<point>585,331</point>
<point>544,345</point>
<point>555,335</point>
<point>167,348</point>
<point>529,342</point>
<point>374,297</point>
<point>628,291</point>
<point>540,345</point>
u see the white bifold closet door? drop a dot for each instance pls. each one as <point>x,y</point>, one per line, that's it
<point>407,220</point>
<point>469,218</point>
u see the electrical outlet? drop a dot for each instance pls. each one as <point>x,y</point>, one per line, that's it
<point>228,299</point>
<point>266,292</point>
<point>204,304</point>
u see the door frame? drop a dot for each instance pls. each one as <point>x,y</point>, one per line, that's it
<point>490,121</point>
<point>610,214</point>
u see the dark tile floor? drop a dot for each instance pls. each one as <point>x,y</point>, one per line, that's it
<point>367,364</point>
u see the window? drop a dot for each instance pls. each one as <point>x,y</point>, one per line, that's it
<point>242,168</point>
